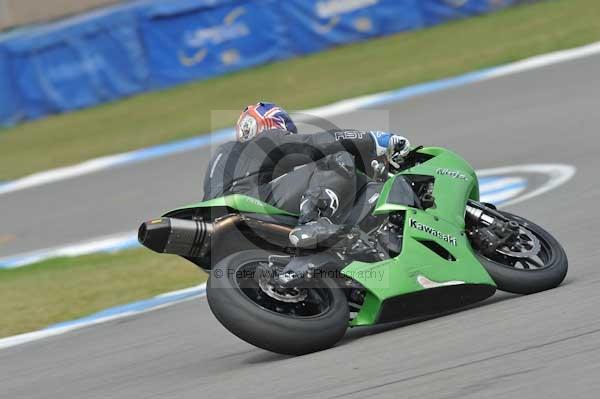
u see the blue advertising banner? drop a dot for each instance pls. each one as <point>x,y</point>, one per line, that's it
<point>8,105</point>
<point>189,40</point>
<point>319,24</point>
<point>439,11</point>
<point>61,68</point>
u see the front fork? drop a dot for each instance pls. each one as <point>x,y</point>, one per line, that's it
<point>488,229</point>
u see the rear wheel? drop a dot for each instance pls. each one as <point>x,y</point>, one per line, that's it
<point>534,263</point>
<point>296,321</point>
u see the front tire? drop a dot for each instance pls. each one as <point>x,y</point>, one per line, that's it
<point>520,276</point>
<point>293,329</point>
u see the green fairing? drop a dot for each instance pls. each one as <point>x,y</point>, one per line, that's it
<point>398,276</point>
<point>239,202</point>
<point>443,224</point>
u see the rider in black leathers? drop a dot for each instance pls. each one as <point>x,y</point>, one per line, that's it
<point>314,174</point>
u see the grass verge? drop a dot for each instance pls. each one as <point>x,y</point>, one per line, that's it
<point>343,72</point>
<point>64,289</point>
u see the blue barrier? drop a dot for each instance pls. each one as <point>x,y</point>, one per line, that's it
<point>439,11</point>
<point>67,66</point>
<point>188,40</point>
<point>8,102</point>
<point>149,44</point>
<point>320,24</point>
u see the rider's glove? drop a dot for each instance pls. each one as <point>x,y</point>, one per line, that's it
<point>398,149</point>
<point>390,144</point>
<point>400,146</point>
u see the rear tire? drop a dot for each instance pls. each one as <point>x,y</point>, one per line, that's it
<point>524,281</point>
<point>265,328</point>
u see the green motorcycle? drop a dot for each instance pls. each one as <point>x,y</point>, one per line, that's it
<point>416,243</point>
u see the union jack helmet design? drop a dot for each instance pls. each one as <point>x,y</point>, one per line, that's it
<point>260,117</point>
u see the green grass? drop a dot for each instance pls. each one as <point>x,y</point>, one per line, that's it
<point>64,289</point>
<point>347,71</point>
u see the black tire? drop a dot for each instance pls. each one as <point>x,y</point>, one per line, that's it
<point>522,281</point>
<point>265,328</point>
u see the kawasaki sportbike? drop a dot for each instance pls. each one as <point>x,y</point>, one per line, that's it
<point>417,243</point>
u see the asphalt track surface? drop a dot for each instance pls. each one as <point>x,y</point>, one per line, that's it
<point>540,346</point>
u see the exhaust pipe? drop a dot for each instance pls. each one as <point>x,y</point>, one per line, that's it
<point>176,236</point>
<point>192,238</point>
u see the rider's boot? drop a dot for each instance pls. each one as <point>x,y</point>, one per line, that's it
<point>321,231</point>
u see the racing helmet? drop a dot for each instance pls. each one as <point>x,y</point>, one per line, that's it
<point>260,117</point>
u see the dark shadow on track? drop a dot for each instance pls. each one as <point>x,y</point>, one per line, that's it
<point>264,356</point>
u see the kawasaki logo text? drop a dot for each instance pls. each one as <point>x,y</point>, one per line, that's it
<point>430,230</point>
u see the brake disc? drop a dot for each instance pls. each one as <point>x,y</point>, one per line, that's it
<point>526,245</point>
<point>287,295</point>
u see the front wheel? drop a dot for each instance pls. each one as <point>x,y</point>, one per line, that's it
<point>299,321</point>
<point>536,262</point>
